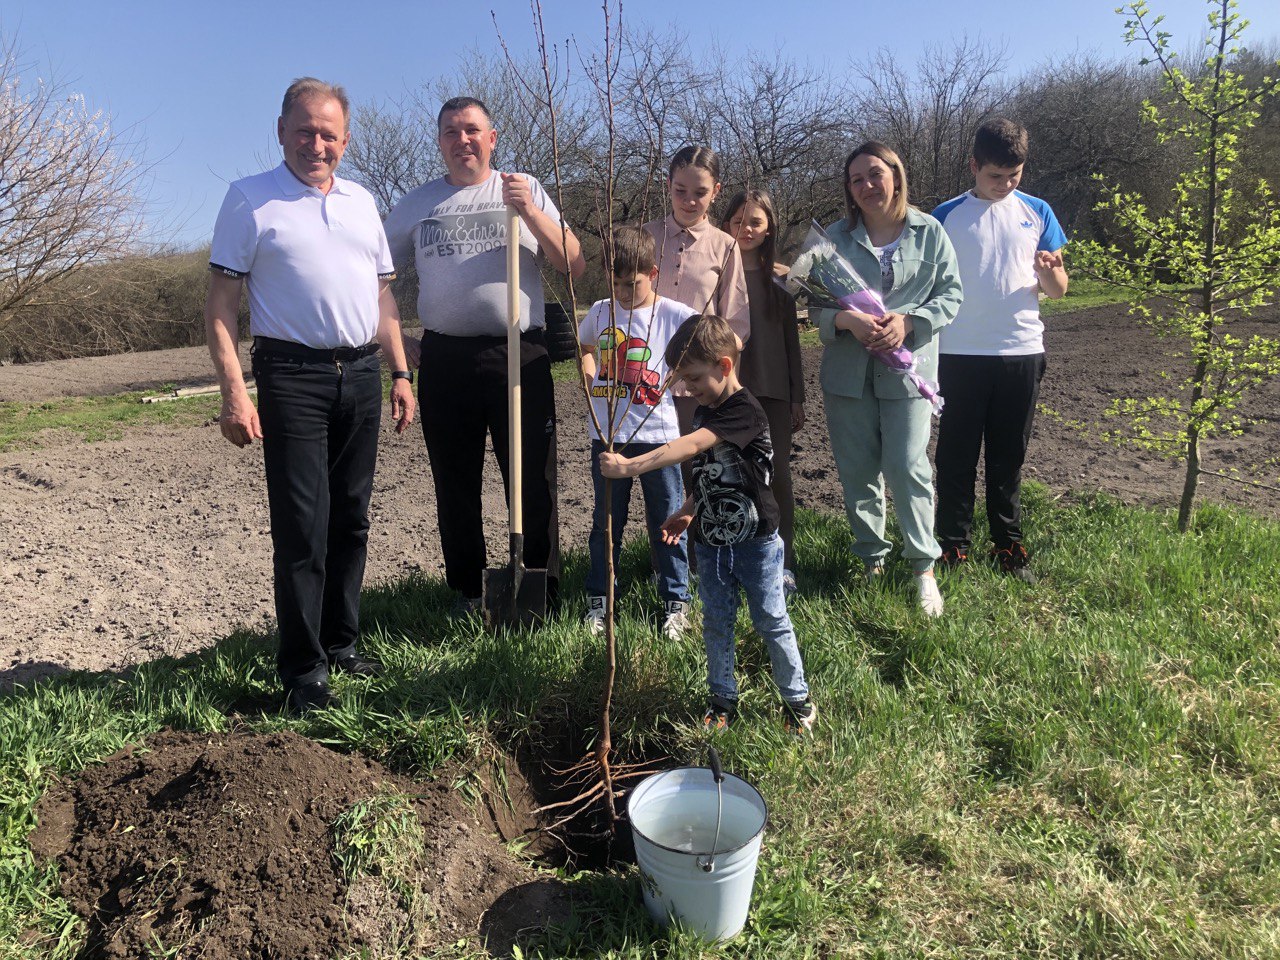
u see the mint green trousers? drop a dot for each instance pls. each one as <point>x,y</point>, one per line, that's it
<point>877,441</point>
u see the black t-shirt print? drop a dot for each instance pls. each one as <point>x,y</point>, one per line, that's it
<point>732,501</point>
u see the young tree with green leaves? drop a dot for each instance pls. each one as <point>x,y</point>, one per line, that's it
<point>1207,261</point>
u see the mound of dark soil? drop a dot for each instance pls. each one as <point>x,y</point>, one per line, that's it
<point>222,846</point>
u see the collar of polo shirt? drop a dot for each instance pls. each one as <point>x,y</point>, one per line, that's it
<point>292,186</point>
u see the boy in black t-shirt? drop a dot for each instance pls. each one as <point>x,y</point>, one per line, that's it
<point>733,515</point>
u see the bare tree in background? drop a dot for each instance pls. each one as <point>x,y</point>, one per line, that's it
<point>661,95</point>
<point>1084,117</point>
<point>782,127</point>
<point>1260,149</point>
<point>393,149</point>
<point>928,112</point>
<point>71,187</point>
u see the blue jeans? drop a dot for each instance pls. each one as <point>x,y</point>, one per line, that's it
<point>663,495</point>
<point>756,567</point>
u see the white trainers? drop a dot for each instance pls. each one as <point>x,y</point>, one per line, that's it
<point>595,615</point>
<point>676,620</point>
<point>930,595</point>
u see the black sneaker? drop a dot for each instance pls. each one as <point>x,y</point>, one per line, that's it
<point>798,718</point>
<point>357,666</point>
<point>309,697</point>
<point>1014,562</point>
<point>719,715</point>
<point>954,557</point>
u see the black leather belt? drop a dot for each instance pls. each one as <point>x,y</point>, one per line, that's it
<point>287,348</point>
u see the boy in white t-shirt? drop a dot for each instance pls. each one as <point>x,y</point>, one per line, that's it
<point>1009,246</point>
<point>623,342</point>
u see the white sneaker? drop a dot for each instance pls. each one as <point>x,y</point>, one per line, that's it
<point>930,595</point>
<point>595,615</point>
<point>676,621</point>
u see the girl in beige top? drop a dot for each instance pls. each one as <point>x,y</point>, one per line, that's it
<point>698,265</point>
<point>770,363</point>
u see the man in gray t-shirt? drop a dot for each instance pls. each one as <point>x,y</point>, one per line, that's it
<point>455,230</point>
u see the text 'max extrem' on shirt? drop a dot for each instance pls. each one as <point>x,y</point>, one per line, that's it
<point>996,244</point>
<point>457,237</point>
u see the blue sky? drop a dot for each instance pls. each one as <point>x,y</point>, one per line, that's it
<point>202,83</point>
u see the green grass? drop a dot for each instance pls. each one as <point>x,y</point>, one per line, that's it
<point>25,425</point>
<point>1086,768</point>
<point>1082,293</point>
<point>566,371</point>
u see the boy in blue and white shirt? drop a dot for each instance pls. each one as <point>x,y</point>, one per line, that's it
<point>1009,246</point>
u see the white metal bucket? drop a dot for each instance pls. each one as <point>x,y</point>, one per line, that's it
<point>673,822</point>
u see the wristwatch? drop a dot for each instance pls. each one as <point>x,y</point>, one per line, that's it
<point>402,375</point>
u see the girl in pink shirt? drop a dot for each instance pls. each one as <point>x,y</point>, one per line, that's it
<point>698,264</point>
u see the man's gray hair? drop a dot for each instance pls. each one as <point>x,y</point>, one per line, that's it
<point>305,87</point>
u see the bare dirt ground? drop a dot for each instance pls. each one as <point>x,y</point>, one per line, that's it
<point>157,543</point>
<point>230,854</point>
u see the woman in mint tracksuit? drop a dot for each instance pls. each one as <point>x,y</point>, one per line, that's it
<point>879,423</point>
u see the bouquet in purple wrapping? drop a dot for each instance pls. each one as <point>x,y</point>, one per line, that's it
<point>826,279</point>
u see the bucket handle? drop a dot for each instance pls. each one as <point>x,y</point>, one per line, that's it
<point>708,863</point>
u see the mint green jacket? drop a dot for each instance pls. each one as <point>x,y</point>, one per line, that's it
<point>926,287</point>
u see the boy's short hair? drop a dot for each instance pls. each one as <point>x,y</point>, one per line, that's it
<point>1001,143</point>
<point>634,251</point>
<point>703,338</point>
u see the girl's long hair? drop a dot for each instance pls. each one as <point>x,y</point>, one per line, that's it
<point>768,250</point>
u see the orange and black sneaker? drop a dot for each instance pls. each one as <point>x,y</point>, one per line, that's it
<point>1014,562</point>
<point>953,557</point>
<point>719,715</point>
<point>798,718</point>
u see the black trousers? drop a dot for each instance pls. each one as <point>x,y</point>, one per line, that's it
<point>462,397</point>
<point>991,402</point>
<point>320,442</point>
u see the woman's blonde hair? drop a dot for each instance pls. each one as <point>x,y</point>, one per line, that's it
<point>900,192</point>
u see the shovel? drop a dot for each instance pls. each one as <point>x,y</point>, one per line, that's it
<point>514,596</point>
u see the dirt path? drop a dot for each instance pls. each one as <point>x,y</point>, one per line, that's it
<point>103,376</point>
<point>157,543</point>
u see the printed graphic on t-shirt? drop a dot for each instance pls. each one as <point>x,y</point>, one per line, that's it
<point>624,369</point>
<point>726,512</point>
<point>467,230</point>
<point>732,502</point>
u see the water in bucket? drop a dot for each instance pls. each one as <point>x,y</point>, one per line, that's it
<point>673,821</point>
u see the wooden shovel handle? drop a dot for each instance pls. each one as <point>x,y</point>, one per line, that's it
<point>515,502</point>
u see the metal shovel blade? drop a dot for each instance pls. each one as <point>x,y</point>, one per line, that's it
<point>514,596</point>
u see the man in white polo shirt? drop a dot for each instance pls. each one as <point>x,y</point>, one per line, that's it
<point>455,231</point>
<point>313,251</point>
